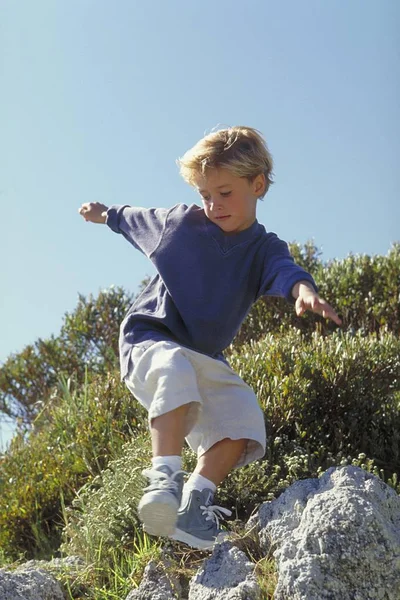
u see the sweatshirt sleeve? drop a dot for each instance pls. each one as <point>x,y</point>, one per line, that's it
<point>280,272</point>
<point>142,227</point>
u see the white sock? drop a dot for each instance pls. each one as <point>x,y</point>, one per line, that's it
<point>173,462</point>
<point>196,482</point>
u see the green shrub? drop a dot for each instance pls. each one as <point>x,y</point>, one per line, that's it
<point>327,401</point>
<point>88,340</point>
<point>104,512</point>
<point>31,479</point>
<point>71,442</point>
<point>245,489</point>
<point>338,394</point>
<point>364,290</point>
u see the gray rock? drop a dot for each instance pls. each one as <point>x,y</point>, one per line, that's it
<point>29,584</point>
<point>156,585</point>
<point>227,575</point>
<point>336,538</point>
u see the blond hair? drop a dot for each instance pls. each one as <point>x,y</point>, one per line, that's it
<point>241,150</point>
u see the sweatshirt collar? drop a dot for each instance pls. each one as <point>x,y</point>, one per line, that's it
<point>229,241</point>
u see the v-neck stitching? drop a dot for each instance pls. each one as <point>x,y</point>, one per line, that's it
<point>228,243</point>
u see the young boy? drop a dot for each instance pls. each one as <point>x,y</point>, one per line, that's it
<point>213,263</point>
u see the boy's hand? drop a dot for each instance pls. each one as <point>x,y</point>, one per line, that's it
<point>94,212</point>
<point>308,299</point>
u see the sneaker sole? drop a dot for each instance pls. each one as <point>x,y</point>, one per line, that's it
<point>158,515</point>
<point>191,540</point>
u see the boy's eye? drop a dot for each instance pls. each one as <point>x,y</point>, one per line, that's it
<point>225,194</point>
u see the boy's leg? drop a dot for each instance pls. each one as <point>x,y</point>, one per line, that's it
<point>168,432</point>
<point>164,381</point>
<point>229,433</point>
<point>219,460</point>
<point>159,505</point>
<point>198,518</point>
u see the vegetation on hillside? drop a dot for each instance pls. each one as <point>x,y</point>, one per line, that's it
<point>70,481</point>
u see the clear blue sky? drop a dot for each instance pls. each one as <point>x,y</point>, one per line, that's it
<point>99,98</point>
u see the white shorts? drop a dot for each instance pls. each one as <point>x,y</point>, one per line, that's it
<point>166,376</point>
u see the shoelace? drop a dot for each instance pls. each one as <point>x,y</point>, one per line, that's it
<point>160,480</point>
<point>215,513</point>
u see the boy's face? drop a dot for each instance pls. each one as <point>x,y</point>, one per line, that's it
<point>229,201</point>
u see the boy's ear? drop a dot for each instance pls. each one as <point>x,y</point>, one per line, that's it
<point>259,184</point>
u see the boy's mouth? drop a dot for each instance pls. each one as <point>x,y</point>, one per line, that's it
<point>221,218</point>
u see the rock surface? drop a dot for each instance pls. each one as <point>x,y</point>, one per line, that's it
<point>156,585</point>
<point>227,575</point>
<point>336,537</point>
<point>29,584</point>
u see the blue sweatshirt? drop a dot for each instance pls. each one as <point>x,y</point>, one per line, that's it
<point>206,280</point>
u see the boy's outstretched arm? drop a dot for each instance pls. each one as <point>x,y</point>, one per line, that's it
<point>307,299</point>
<point>94,212</point>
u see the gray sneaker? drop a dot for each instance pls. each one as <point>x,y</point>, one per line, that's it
<point>198,521</point>
<point>159,505</point>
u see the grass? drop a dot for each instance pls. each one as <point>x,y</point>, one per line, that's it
<point>265,566</point>
<point>267,577</point>
<point>114,572</point>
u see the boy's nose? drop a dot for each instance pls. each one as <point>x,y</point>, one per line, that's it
<point>215,205</point>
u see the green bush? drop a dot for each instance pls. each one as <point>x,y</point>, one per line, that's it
<point>104,512</point>
<point>88,340</point>
<point>364,290</point>
<point>71,442</point>
<point>340,392</point>
<point>32,477</point>
<point>245,489</point>
<point>327,401</point>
